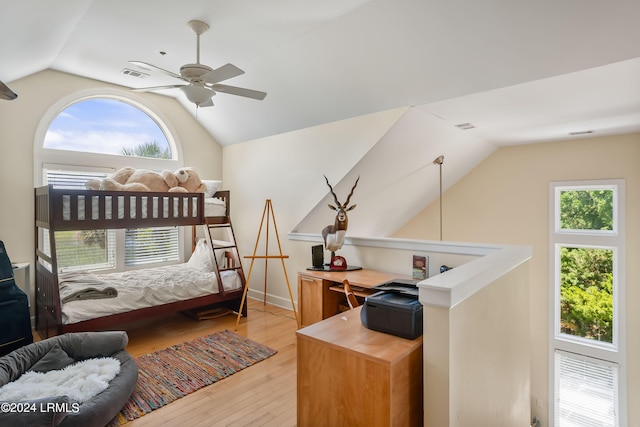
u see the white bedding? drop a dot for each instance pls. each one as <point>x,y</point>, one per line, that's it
<point>147,288</point>
<point>212,206</point>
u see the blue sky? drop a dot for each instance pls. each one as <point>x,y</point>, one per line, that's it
<point>102,125</point>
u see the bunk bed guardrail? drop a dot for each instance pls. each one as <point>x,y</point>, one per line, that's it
<point>65,209</point>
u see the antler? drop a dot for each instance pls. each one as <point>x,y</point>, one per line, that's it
<point>331,188</point>
<point>351,194</point>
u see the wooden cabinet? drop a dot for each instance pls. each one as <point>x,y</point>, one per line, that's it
<point>320,293</point>
<point>348,375</point>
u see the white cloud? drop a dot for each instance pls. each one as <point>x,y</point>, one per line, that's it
<point>107,142</point>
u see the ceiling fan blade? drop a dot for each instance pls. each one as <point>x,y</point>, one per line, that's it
<point>148,66</point>
<point>6,93</point>
<point>225,72</point>
<point>240,91</point>
<point>147,89</point>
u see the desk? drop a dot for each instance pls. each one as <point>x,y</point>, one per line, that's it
<point>320,293</point>
<point>349,375</point>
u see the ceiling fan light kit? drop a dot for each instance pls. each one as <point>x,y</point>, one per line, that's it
<point>197,94</point>
<point>202,81</point>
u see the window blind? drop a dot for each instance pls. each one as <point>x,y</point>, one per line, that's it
<point>71,179</point>
<point>150,245</point>
<point>85,249</point>
<point>586,391</point>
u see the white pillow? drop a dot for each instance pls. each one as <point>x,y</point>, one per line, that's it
<point>201,257</point>
<point>212,187</point>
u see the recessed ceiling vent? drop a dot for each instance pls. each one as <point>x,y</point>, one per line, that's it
<point>581,132</point>
<point>465,126</point>
<point>134,73</point>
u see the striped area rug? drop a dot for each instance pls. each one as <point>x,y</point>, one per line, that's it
<point>169,374</point>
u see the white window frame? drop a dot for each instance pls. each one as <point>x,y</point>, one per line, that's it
<point>43,155</point>
<point>608,353</point>
<point>75,160</point>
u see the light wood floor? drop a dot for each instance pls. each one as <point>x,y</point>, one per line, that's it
<point>263,394</point>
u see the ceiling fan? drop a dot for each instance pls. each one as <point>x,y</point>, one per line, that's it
<point>6,93</point>
<point>202,80</point>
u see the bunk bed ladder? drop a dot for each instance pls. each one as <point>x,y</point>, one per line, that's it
<point>226,248</point>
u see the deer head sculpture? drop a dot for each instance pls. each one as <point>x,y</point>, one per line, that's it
<point>333,235</point>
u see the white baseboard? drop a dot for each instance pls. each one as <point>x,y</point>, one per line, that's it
<point>271,299</point>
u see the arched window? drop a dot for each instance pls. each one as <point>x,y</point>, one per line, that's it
<point>107,126</point>
<point>89,136</point>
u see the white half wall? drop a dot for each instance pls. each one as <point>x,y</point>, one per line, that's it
<point>476,353</point>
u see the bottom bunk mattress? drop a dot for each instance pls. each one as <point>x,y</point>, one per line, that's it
<point>86,296</point>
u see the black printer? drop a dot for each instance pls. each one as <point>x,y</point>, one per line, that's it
<point>394,309</point>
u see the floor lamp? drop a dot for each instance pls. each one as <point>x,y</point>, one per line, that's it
<point>439,161</point>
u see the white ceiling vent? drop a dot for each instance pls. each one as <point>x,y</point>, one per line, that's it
<point>581,132</point>
<point>465,126</point>
<point>134,73</point>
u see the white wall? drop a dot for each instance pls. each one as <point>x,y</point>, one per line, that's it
<point>18,122</point>
<point>288,169</point>
<point>505,201</point>
<point>398,177</point>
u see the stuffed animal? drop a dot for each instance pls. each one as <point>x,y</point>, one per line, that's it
<point>184,180</point>
<point>190,181</point>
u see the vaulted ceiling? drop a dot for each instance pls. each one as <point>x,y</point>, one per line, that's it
<point>518,71</point>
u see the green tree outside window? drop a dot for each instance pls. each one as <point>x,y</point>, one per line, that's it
<point>586,274</point>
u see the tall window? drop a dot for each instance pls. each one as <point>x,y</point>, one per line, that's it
<point>587,340</point>
<point>89,139</point>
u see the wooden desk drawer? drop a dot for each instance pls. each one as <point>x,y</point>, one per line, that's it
<point>309,299</point>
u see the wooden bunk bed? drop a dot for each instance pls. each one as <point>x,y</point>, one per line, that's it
<point>71,210</point>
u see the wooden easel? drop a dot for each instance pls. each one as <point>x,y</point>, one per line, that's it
<point>268,214</point>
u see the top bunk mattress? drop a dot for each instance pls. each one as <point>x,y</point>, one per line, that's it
<point>212,207</point>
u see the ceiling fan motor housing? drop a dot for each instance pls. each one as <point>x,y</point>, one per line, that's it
<point>194,71</point>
